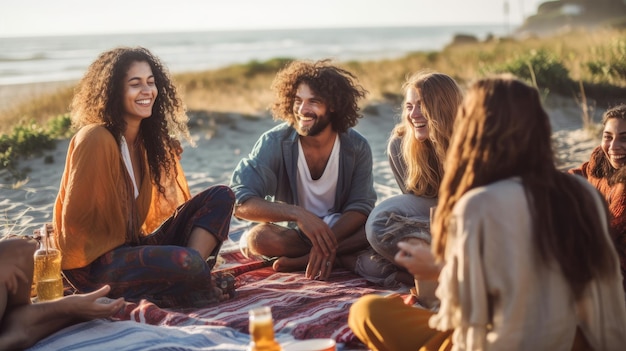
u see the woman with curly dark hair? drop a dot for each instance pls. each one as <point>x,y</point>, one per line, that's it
<point>315,170</point>
<point>605,170</point>
<point>124,215</point>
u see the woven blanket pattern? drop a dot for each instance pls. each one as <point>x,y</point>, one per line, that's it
<point>302,309</point>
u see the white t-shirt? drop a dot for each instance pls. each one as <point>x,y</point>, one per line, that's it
<point>318,195</point>
<point>129,164</point>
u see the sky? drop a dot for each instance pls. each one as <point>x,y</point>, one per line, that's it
<point>62,17</point>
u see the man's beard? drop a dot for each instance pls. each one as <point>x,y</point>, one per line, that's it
<point>316,128</point>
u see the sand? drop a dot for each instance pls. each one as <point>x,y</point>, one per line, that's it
<point>27,205</point>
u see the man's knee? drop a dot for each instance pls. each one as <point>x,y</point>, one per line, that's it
<point>270,240</point>
<point>256,240</point>
<point>258,235</point>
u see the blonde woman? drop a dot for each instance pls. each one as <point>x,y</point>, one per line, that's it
<point>416,151</point>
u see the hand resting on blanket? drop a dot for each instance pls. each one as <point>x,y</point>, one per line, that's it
<point>22,323</point>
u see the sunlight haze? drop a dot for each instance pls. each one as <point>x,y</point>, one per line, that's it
<point>62,17</point>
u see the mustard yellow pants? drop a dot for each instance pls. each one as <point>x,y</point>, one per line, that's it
<point>388,324</point>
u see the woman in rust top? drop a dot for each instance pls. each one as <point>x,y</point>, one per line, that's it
<point>605,171</point>
<point>124,215</point>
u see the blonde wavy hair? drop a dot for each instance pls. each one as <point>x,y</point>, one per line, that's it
<point>441,97</point>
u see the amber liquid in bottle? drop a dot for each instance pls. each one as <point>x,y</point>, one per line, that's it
<point>262,330</point>
<point>47,274</point>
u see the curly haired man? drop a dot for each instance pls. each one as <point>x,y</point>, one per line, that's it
<point>308,182</point>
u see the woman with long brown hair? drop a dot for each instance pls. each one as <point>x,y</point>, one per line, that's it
<point>528,262</point>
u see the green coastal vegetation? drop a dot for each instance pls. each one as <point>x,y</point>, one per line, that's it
<point>586,65</point>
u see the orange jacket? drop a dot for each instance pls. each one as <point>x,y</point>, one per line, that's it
<point>92,212</point>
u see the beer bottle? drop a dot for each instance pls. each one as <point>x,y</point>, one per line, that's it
<point>48,269</point>
<point>262,330</point>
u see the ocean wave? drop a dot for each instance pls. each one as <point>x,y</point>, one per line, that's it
<point>18,57</point>
<point>43,59</point>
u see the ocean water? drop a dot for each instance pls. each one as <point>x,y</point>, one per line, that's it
<point>59,58</point>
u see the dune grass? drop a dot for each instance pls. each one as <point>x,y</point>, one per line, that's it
<point>558,64</point>
<point>589,66</point>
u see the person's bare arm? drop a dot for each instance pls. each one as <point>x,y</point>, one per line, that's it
<point>25,325</point>
<point>348,224</point>
<point>259,210</point>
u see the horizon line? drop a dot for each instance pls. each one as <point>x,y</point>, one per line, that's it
<point>207,30</point>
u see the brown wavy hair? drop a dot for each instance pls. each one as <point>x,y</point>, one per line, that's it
<point>602,167</point>
<point>502,131</point>
<point>441,97</point>
<point>98,99</point>
<point>337,87</point>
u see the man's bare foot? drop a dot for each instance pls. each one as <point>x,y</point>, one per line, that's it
<point>290,264</point>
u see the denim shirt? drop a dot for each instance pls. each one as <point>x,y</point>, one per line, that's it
<point>270,171</point>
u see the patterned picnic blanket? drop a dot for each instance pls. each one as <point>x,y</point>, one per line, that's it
<point>302,309</point>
